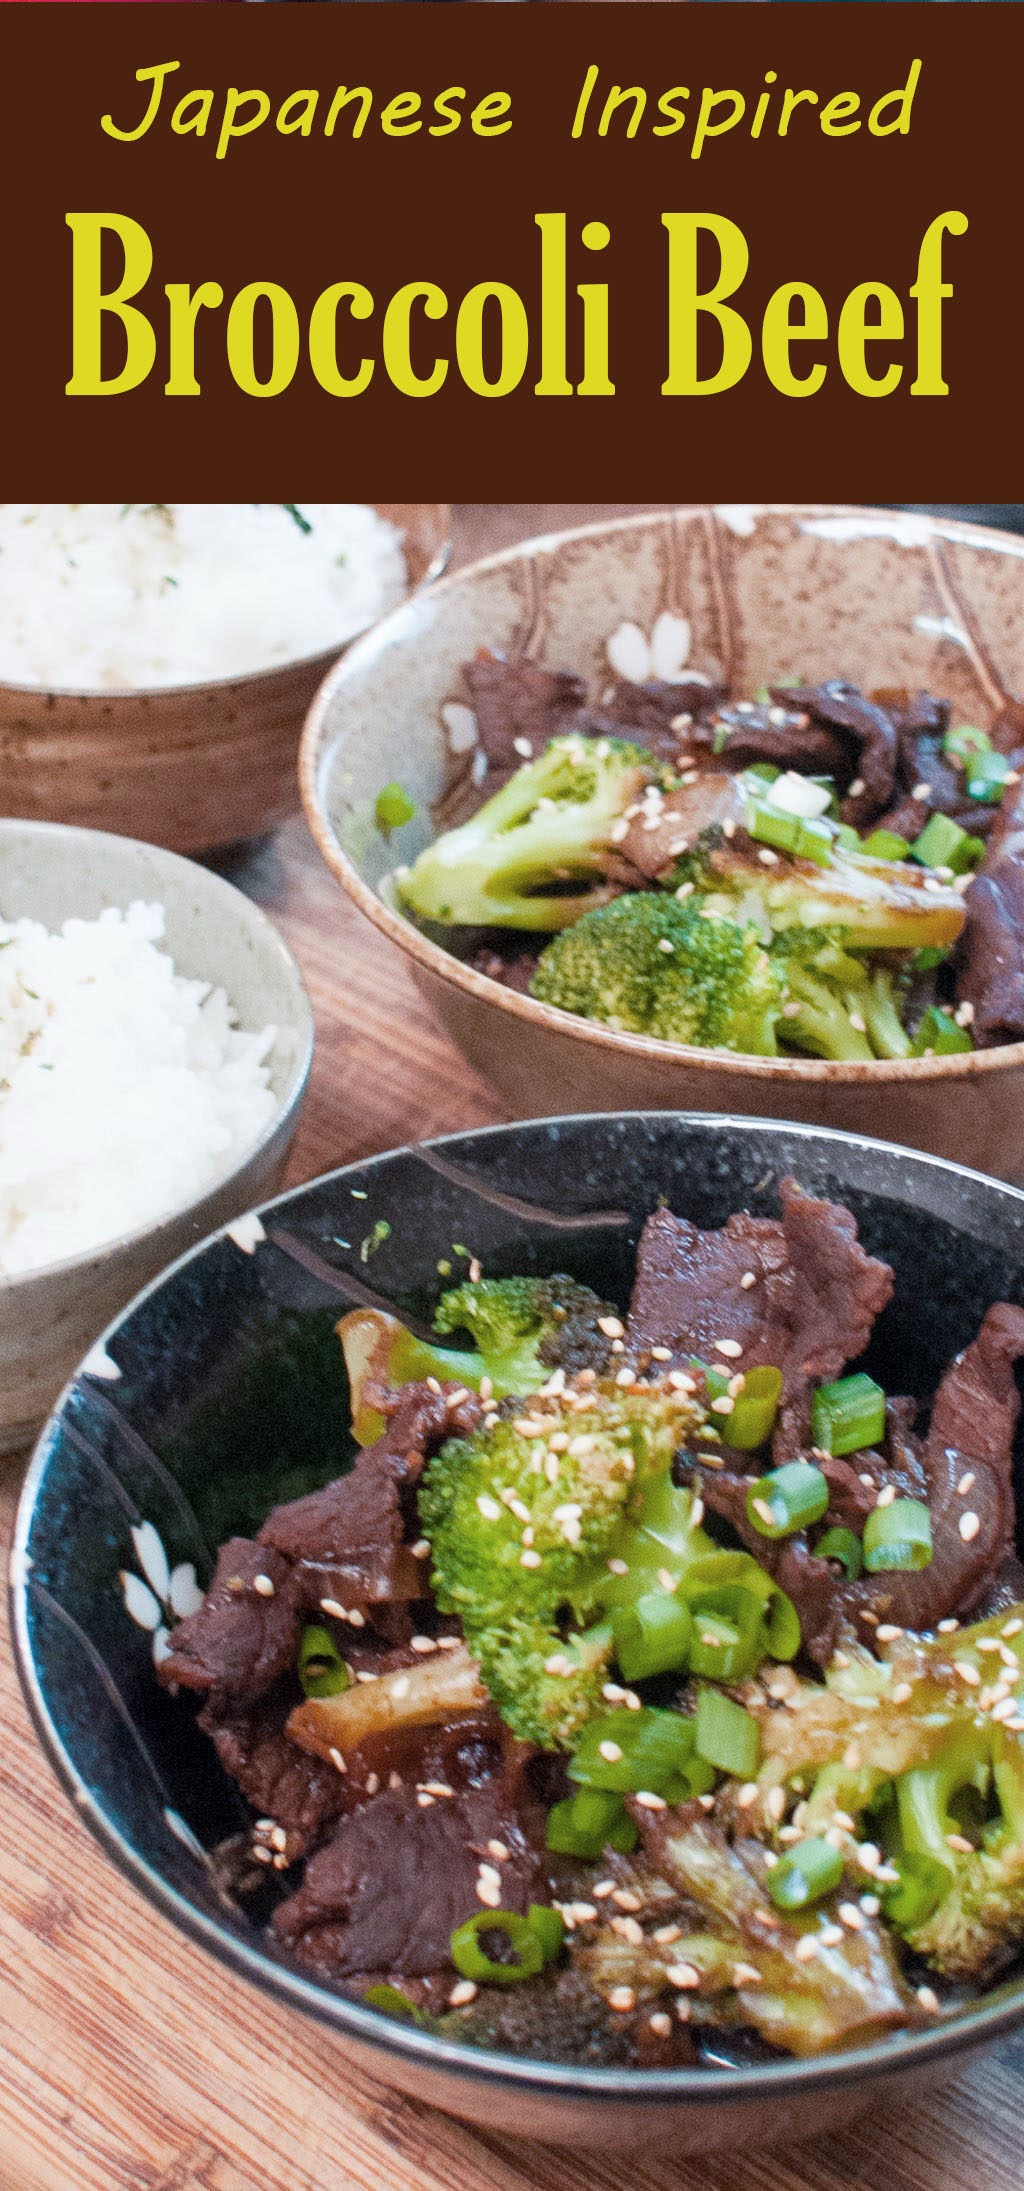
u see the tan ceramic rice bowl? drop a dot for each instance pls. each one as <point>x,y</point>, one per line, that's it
<point>186,766</point>
<point>770,590</point>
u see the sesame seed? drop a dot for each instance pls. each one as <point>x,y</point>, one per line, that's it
<point>622,1999</point>
<point>965,1484</point>
<point>401,1687</point>
<point>355,1618</point>
<point>584,1913</point>
<point>866,1478</point>
<point>870,1904</point>
<point>964,1015</point>
<point>768,858</point>
<point>748,1795</point>
<point>763,1510</point>
<point>332,1608</point>
<point>262,1856</point>
<point>523,747</point>
<point>625,1376</point>
<point>433,1384</point>
<point>850,1916</point>
<point>610,1751</point>
<point>969,1525</point>
<point>830,1936</point>
<point>280,1863</point>
<point>948,1627</point>
<point>852,1758</point>
<point>929,1999</point>
<point>680,1381</point>
<point>1005,1709</point>
<point>618,1567</point>
<point>612,1327</point>
<point>602,1889</point>
<point>682,2010</point>
<point>499,1850</point>
<point>730,1347</point>
<point>626,1928</point>
<point>338,1761</point>
<point>664,944</point>
<point>1012,1627</point>
<point>648,1801</point>
<point>696,1513</point>
<point>723,1406</point>
<point>967,1672</point>
<point>461,1994</point>
<point>789,1834</point>
<point>775,1803</point>
<point>488,1894</point>
<point>667,1580</point>
<point>667,1935</point>
<point>858,1021</point>
<point>960,1843</point>
<point>991,1643</point>
<point>857,788</point>
<point>372,1783</point>
<point>436,1787</point>
<point>684,1976</point>
<point>529,1559</point>
<point>660,2024</point>
<point>888,1632</point>
<point>921,792</point>
<point>278,1838</point>
<point>807,1948</point>
<point>886,1495</point>
<point>424,1644</point>
<point>625,1899</point>
<point>903,1691</point>
<point>263,1586</point>
<point>748,1279</point>
<point>744,1974</point>
<point>424,1801</point>
<point>421,1549</point>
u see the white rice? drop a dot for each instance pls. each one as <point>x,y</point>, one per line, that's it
<point>125,1090</point>
<point>100,595</point>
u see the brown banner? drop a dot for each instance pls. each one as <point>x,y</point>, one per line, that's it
<point>472,251</point>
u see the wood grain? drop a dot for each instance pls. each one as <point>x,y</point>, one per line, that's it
<point>128,2060</point>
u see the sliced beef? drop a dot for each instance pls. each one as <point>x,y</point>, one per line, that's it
<point>663,716</point>
<point>780,731</point>
<point>302,1795</point>
<point>869,733</point>
<point>991,954</point>
<point>810,1310</point>
<point>669,827</point>
<point>348,1543</point>
<point>969,1443</point>
<point>388,1891</point>
<point>560,2016</point>
<point>245,1634</point>
<point>519,704</point>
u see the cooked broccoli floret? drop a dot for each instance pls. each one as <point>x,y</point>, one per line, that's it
<point>848,1010</point>
<point>648,964</point>
<point>523,1518</point>
<point>908,1750</point>
<point>535,855</point>
<point>877,905</point>
<point>523,1328</point>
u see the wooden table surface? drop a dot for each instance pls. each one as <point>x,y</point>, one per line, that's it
<point>131,2062</point>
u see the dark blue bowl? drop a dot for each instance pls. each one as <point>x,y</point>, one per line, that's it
<point>221,1390</point>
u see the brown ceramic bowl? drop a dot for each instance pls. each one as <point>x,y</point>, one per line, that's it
<point>770,591</point>
<point>185,766</point>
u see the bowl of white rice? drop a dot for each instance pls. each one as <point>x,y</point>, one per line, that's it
<point>157,659</point>
<point>155,1043</point>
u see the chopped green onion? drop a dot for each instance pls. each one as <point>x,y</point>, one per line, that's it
<point>939,1035</point>
<point>588,1823</point>
<point>705,1579</point>
<point>549,1926</point>
<point>321,1668</point>
<point>729,1639</point>
<point>922,1883</point>
<point>942,843</point>
<point>753,1417</point>
<point>296,515</point>
<point>625,1751</point>
<point>847,838</point>
<point>898,1537</point>
<point>965,742</point>
<point>652,1636</point>
<point>717,1381</point>
<point>804,1873</point>
<point>393,807</point>
<point>848,1414</point>
<point>801,837</point>
<point>841,1545</point>
<point>788,1499</point>
<point>987,777</point>
<point>727,1736</point>
<point>885,844</point>
<point>764,699</point>
<point>392,2002</point>
<point>759,773</point>
<point>471,1960</point>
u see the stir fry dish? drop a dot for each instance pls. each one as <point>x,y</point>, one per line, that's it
<point>651,1688</point>
<point>814,871</point>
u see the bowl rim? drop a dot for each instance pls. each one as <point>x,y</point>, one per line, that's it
<point>301,1027</point>
<point>242,681</point>
<point>352,2020</point>
<point>456,974</point>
